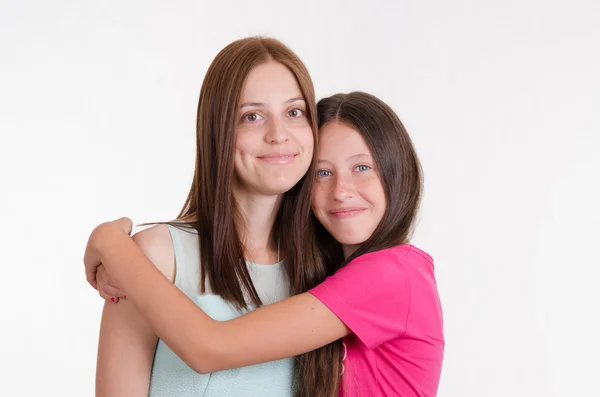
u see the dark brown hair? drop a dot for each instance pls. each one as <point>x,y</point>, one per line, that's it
<point>397,163</point>
<point>211,210</point>
<point>400,172</point>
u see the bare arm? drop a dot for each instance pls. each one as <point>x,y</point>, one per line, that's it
<point>125,352</point>
<point>127,343</point>
<point>284,329</point>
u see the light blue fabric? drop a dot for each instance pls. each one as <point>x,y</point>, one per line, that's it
<point>172,377</point>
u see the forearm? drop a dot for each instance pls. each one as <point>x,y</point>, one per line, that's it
<point>176,319</point>
<point>284,329</point>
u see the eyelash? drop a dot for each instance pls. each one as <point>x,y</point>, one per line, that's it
<point>245,117</point>
<point>299,110</point>
<point>367,168</point>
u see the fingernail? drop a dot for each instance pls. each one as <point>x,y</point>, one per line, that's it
<point>113,300</point>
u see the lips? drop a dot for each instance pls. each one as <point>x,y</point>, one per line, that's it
<point>347,212</point>
<point>278,157</point>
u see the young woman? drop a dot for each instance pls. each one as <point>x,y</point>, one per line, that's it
<point>381,297</point>
<point>248,208</point>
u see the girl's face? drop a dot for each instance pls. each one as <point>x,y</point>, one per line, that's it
<point>348,196</point>
<point>274,140</point>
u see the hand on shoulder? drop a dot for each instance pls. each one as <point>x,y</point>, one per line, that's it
<point>155,242</point>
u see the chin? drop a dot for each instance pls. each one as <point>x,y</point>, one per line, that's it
<point>277,189</point>
<point>349,238</point>
<point>283,185</point>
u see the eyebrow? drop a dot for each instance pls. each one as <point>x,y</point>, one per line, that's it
<point>260,104</point>
<point>356,156</point>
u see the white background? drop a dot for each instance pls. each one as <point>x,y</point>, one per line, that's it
<point>502,99</point>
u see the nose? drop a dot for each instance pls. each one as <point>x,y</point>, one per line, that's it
<point>342,188</point>
<point>276,131</point>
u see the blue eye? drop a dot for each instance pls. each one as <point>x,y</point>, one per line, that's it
<point>323,173</point>
<point>362,168</point>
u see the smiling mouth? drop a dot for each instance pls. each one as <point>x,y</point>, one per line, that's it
<point>278,158</point>
<point>349,212</point>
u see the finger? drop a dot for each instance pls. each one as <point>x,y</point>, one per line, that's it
<point>126,224</point>
<point>91,268</point>
<point>112,291</point>
<point>90,275</point>
<point>101,272</point>
<point>106,285</point>
<point>109,298</point>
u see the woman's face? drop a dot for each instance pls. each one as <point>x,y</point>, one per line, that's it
<point>274,140</point>
<point>348,196</point>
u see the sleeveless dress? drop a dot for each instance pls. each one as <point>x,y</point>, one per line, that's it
<point>171,377</point>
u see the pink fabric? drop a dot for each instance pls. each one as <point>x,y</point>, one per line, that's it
<point>389,300</point>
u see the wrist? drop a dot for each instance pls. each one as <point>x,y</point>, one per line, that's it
<point>107,236</point>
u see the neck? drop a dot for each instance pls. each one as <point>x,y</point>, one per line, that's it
<point>258,213</point>
<point>349,250</point>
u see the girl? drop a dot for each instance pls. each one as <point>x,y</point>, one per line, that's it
<point>248,207</point>
<point>381,297</point>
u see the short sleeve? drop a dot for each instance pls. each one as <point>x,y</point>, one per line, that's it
<point>371,295</point>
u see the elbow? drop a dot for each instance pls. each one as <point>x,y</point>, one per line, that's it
<point>201,368</point>
<point>204,354</point>
<point>204,365</point>
<point>203,361</point>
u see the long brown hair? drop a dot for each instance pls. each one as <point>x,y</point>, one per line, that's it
<point>397,163</point>
<point>400,172</point>
<point>210,208</point>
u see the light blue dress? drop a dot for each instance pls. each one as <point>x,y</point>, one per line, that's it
<point>172,377</point>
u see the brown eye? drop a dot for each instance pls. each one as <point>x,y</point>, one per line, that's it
<point>252,117</point>
<point>296,113</point>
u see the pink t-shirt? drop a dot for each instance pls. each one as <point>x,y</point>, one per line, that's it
<point>389,300</point>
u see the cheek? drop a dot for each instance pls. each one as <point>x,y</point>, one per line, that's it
<point>244,143</point>
<point>375,194</point>
<point>381,201</point>
<point>307,140</point>
<point>319,199</point>
<point>238,144</point>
